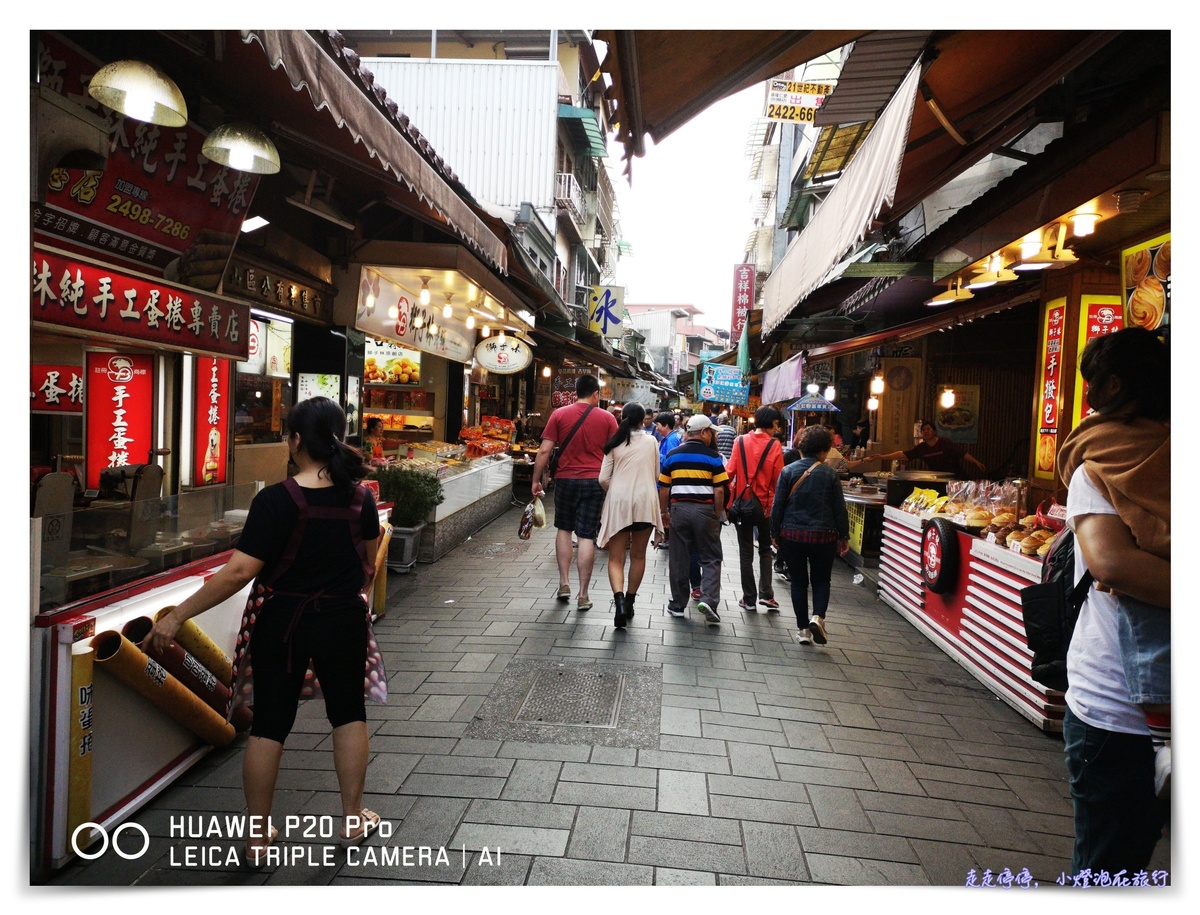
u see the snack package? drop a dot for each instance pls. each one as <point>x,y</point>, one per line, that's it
<point>525,528</point>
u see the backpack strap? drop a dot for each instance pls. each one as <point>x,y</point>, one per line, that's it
<point>353,515</point>
<point>761,460</point>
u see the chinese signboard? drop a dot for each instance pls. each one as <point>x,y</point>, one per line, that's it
<point>743,298</point>
<point>119,417</point>
<point>56,389</point>
<point>394,313</point>
<point>723,384</point>
<point>606,305</point>
<point>270,287</point>
<point>158,203</point>
<point>634,390</point>
<point>504,358</point>
<point>390,363</point>
<point>789,101</point>
<point>1050,375</point>
<point>72,293</point>
<point>562,389</point>
<point>1099,315</point>
<point>212,420</point>
<point>1146,277</point>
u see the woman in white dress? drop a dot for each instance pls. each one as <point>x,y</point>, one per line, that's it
<point>629,477</point>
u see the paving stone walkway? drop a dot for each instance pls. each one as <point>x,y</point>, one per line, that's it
<point>733,755</point>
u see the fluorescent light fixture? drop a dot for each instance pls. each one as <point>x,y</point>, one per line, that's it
<point>255,222</point>
<point>270,317</point>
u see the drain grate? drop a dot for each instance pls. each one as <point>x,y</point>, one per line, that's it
<point>573,698</point>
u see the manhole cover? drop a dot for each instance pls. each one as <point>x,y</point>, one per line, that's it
<point>575,701</point>
<point>574,698</point>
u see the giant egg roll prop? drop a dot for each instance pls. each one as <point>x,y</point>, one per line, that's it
<point>202,648</point>
<point>187,669</point>
<point>379,600</point>
<point>145,676</point>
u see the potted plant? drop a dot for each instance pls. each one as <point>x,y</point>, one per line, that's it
<point>414,494</point>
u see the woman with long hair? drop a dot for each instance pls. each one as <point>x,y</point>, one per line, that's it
<point>309,544</point>
<point>629,476</point>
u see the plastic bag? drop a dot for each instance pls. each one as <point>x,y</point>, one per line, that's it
<point>525,528</point>
<point>539,513</point>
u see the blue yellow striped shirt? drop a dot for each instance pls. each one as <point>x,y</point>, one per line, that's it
<point>692,471</point>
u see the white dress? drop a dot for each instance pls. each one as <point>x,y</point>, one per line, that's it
<point>629,475</point>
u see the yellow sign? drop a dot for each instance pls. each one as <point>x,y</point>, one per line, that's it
<point>790,101</point>
<point>857,515</point>
<point>606,304</point>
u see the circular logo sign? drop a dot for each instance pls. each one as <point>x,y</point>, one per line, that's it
<point>899,378</point>
<point>939,555</point>
<point>507,358</point>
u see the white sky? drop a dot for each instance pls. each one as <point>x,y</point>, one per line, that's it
<point>688,212</point>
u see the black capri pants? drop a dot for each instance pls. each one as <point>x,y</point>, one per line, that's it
<point>333,635</point>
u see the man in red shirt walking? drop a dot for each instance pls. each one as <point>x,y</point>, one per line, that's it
<point>582,430</point>
<point>755,463</point>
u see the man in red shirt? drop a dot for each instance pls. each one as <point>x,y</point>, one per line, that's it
<point>755,463</point>
<point>578,497</point>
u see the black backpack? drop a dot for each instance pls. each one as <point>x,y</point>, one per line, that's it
<point>1050,610</point>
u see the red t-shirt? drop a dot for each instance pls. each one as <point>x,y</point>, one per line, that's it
<point>585,451</point>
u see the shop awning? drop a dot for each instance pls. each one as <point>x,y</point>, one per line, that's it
<point>584,129</point>
<point>555,346</point>
<point>845,217</point>
<point>311,70</point>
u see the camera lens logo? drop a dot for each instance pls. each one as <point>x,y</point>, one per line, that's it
<point>120,369</point>
<point>104,841</point>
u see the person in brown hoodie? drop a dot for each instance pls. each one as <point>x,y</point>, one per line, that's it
<point>1124,448</point>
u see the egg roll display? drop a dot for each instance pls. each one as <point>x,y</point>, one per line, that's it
<point>201,647</point>
<point>145,676</point>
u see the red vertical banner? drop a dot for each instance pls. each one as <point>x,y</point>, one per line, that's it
<point>1050,375</point>
<point>743,297</point>
<point>212,420</point>
<point>119,415</point>
<point>1099,315</point>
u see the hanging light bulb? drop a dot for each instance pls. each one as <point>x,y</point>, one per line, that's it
<point>500,336</point>
<point>877,384</point>
<point>446,309</point>
<point>830,393</point>
<point>947,400</point>
<point>418,321</point>
<point>812,388</point>
<point>872,404</point>
<point>486,332</point>
<point>545,371</point>
<point>470,322</point>
<point>433,328</point>
<point>424,290</point>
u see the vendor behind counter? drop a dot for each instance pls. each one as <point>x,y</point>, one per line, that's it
<point>939,455</point>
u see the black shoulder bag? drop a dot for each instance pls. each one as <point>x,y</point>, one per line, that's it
<point>747,508</point>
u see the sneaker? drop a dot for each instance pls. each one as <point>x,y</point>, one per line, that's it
<point>675,612</point>
<point>804,637</point>
<point>1162,772</point>
<point>747,606</point>
<point>816,626</point>
<point>709,614</point>
<point>695,593</point>
<point>770,603</point>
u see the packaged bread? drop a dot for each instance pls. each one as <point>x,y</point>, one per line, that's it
<point>1003,518</point>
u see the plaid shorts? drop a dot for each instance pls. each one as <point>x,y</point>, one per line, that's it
<point>577,507</point>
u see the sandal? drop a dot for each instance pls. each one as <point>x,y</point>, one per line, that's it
<point>256,855</point>
<point>370,821</point>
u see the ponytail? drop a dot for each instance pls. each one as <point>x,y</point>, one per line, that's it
<point>321,425</point>
<point>632,417</point>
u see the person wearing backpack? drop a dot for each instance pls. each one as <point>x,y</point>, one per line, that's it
<point>753,466</point>
<point>1117,465</point>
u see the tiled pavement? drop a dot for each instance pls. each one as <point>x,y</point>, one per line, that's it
<point>874,760</point>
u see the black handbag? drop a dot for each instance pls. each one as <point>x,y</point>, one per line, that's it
<point>746,508</point>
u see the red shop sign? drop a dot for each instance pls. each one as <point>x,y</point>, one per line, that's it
<point>70,292</point>
<point>55,388</point>
<point>159,200</point>
<point>212,420</point>
<point>743,297</point>
<point>118,422</point>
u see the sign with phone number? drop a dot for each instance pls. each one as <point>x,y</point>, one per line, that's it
<point>798,102</point>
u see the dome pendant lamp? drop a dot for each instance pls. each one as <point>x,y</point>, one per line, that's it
<point>140,91</point>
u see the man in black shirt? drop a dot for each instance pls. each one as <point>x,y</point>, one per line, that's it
<point>939,455</point>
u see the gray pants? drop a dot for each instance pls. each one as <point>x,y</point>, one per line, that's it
<point>694,526</point>
<point>746,548</point>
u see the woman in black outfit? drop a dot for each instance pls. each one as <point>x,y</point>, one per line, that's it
<point>311,543</point>
<point>809,526</point>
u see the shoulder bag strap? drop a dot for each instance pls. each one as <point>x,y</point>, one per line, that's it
<point>761,460</point>
<point>803,476</point>
<point>570,435</point>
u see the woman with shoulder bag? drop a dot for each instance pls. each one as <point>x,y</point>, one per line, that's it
<point>309,544</point>
<point>753,468</point>
<point>810,527</point>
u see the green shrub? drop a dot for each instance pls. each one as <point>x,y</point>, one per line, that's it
<point>413,493</point>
